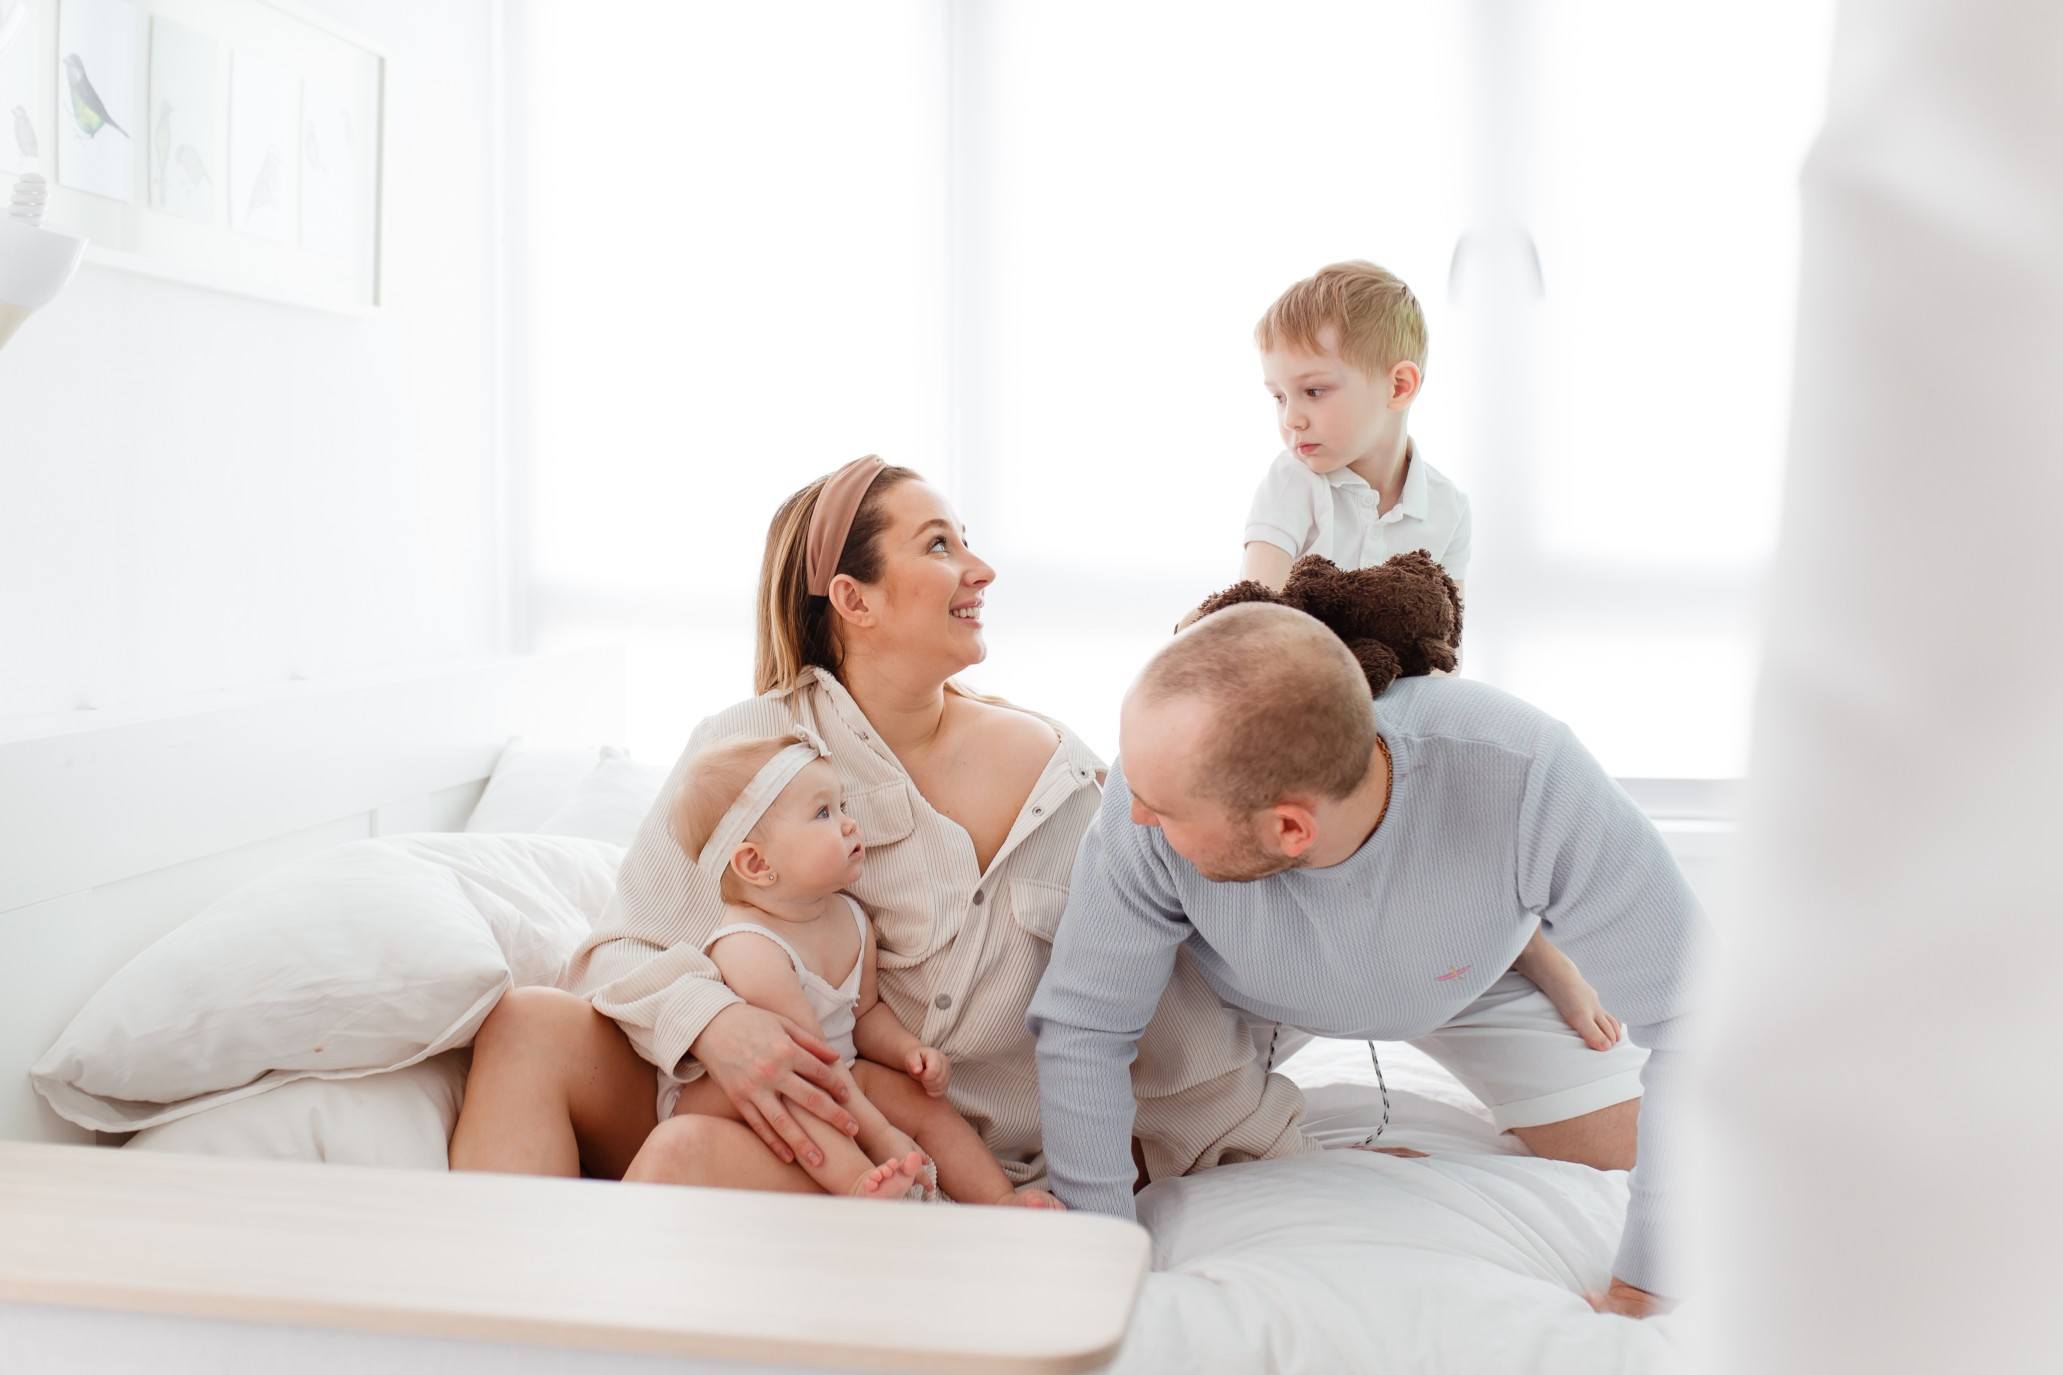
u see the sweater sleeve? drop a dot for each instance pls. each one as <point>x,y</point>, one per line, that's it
<point>644,966</point>
<point>1112,959</point>
<point>1610,895</point>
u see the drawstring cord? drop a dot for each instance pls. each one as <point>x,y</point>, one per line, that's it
<point>1381,1084</point>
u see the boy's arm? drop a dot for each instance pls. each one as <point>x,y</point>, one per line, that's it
<point>1609,893</point>
<point>1265,563</point>
<point>1112,958</point>
<point>761,973</point>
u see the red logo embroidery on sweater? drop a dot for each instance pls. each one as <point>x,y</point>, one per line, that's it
<point>1452,974</point>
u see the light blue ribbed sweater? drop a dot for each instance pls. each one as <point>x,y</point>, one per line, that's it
<point>1497,816</point>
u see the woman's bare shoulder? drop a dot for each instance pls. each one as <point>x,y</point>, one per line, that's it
<point>1007,730</point>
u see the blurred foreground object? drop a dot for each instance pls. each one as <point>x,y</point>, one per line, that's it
<point>1885,1185</point>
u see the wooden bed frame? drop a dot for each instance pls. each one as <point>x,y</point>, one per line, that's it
<point>118,829</point>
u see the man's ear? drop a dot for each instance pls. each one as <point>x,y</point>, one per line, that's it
<point>849,601</point>
<point>749,863</point>
<point>1293,828</point>
<point>1405,380</point>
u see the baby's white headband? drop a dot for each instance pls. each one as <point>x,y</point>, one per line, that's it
<point>759,794</point>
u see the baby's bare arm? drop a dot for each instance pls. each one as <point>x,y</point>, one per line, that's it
<point>761,973</point>
<point>881,1037</point>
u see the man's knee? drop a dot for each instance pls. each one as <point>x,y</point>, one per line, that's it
<point>1603,1140</point>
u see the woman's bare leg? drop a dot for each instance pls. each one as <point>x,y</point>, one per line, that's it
<point>715,1153</point>
<point>555,1087</point>
<point>847,1169</point>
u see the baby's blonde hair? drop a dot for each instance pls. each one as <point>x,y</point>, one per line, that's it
<point>713,780</point>
<point>1379,321</point>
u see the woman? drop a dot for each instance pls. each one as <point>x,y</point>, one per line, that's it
<point>869,602</point>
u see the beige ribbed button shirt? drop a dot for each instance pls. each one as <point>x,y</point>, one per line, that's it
<point>961,950</point>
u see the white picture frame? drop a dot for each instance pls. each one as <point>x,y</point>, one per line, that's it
<point>224,80</point>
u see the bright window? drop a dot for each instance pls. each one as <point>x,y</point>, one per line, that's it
<point>1021,247</point>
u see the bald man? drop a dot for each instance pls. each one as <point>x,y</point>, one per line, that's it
<point>1371,874</point>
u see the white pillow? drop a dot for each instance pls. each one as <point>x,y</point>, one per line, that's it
<point>368,957</point>
<point>529,784</point>
<point>400,1120</point>
<point>611,802</point>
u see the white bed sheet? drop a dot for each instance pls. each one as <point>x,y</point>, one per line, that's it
<point>1474,1260</point>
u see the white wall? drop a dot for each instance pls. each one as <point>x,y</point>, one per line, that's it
<point>200,491</point>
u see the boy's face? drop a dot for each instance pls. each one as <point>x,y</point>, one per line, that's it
<point>1329,412</point>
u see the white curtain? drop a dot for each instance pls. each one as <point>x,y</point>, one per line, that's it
<point>1884,1102</point>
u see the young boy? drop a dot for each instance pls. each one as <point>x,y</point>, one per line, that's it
<point>1343,354</point>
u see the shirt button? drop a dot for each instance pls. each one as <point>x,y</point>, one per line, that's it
<point>942,1001</point>
<point>977,899</point>
<point>1038,811</point>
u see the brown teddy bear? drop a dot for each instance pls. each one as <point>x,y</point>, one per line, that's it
<point>1401,618</point>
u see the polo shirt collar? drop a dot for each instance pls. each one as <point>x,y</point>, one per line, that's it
<point>1413,501</point>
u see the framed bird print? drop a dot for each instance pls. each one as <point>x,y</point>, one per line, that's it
<point>234,144</point>
<point>23,135</point>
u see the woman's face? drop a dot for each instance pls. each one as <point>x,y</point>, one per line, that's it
<point>926,606</point>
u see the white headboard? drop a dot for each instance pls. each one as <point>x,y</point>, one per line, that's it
<point>114,831</point>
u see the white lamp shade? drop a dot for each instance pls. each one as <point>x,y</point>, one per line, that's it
<point>35,264</point>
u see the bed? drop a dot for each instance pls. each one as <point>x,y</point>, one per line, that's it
<point>181,1245</point>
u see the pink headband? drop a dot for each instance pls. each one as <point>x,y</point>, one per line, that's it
<point>831,521</point>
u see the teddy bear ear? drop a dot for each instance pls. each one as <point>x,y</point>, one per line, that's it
<point>1235,595</point>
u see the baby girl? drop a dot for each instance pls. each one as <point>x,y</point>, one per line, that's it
<point>765,818</point>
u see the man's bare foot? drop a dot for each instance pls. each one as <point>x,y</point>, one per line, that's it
<point>1032,1198</point>
<point>892,1179</point>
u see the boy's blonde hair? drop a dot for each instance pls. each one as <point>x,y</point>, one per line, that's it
<point>1379,322</point>
<point>713,780</point>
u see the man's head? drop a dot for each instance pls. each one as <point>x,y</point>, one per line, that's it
<point>1343,354</point>
<point>1246,739</point>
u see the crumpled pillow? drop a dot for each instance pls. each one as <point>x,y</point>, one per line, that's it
<point>369,957</point>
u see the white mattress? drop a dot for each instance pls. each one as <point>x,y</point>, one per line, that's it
<point>1473,1260</point>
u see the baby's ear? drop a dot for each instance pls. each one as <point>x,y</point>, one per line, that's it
<point>748,862</point>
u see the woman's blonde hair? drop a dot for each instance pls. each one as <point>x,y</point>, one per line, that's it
<point>796,631</point>
<point>713,780</point>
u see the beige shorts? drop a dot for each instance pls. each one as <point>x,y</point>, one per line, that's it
<point>1513,1051</point>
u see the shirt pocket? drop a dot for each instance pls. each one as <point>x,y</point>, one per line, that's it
<point>1036,906</point>
<point>883,814</point>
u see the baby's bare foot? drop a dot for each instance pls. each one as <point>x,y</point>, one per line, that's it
<point>891,1179</point>
<point>1033,1198</point>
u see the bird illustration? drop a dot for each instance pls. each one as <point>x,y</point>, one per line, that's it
<point>265,189</point>
<point>161,146</point>
<point>87,110</point>
<point>193,173</point>
<point>24,133</point>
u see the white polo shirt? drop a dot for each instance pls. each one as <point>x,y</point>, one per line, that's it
<point>1337,515</point>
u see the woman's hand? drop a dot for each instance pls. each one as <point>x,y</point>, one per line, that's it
<point>763,1062</point>
<point>930,1067</point>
